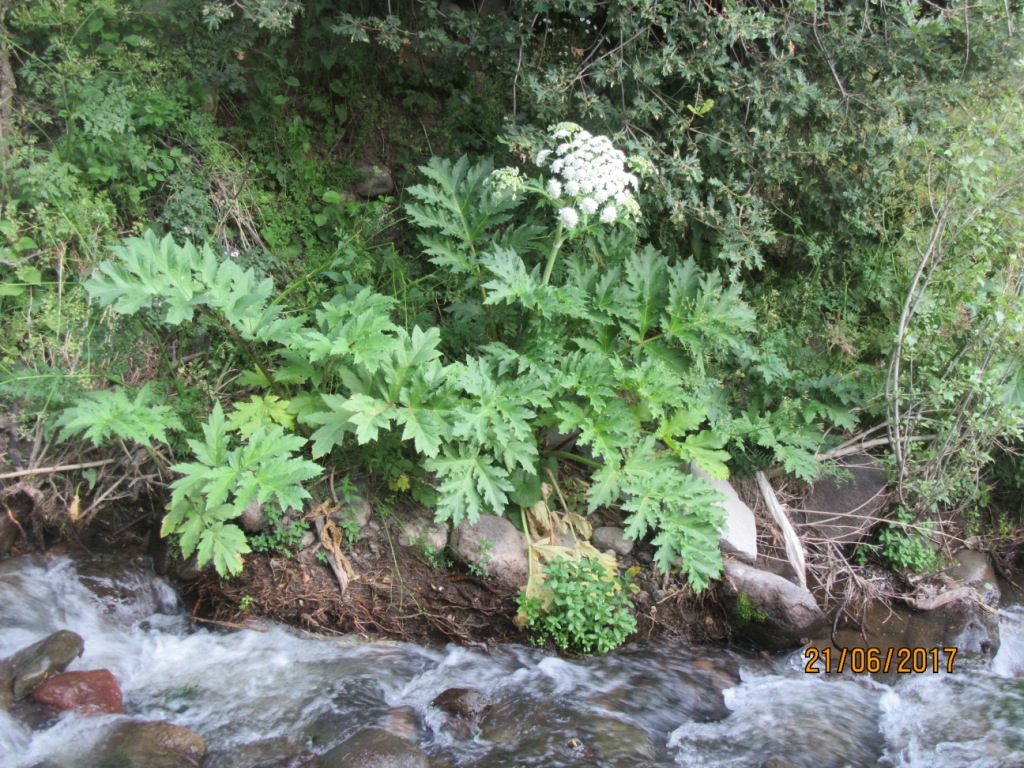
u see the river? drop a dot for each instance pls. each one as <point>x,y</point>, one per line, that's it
<point>260,697</point>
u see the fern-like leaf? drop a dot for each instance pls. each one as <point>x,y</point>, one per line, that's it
<point>471,484</point>
<point>101,415</point>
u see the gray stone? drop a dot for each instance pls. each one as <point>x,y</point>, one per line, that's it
<point>616,740</point>
<point>30,666</point>
<point>495,546</point>
<point>253,520</point>
<point>468,704</point>
<point>610,537</point>
<point>158,744</point>
<point>739,535</point>
<point>356,508</point>
<point>376,181</point>
<point>975,569</point>
<point>374,748</point>
<point>790,614</point>
<point>843,509</point>
<point>420,530</point>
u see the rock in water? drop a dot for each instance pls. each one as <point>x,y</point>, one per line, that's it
<point>775,614</point>
<point>30,666</point>
<point>156,744</point>
<point>88,693</point>
<point>374,748</point>
<point>466,703</point>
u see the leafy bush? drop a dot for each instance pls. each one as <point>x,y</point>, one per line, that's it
<point>907,548</point>
<point>585,609</point>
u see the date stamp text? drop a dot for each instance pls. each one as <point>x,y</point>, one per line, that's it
<point>902,661</point>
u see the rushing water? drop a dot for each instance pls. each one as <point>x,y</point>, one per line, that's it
<point>261,697</point>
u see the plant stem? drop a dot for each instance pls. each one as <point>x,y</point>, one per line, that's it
<point>555,247</point>
<point>278,389</point>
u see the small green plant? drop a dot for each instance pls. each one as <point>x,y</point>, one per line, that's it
<point>281,537</point>
<point>347,517</point>
<point>907,548</point>
<point>583,608</point>
<point>745,612</point>
<point>246,603</point>
<point>483,548</point>
<point>433,556</point>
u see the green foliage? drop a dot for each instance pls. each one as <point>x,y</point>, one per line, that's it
<point>282,537</point>
<point>224,480</point>
<point>790,194</point>
<point>625,355</point>
<point>907,547</point>
<point>347,516</point>
<point>586,609</point>
<point>103,414</point>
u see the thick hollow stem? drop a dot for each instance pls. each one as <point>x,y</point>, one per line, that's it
<point>555,247</point>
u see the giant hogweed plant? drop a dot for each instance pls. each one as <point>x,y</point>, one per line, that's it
<point>624,344</point>
<point>613,342</point>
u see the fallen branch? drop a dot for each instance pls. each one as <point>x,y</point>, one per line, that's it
<point>852,446</point>
<point>53,470</point>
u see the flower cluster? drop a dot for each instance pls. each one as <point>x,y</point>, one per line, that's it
<point>589,177</point>
<point>506,182</point>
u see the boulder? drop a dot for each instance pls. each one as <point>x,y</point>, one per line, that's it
<point>495,546</point>
<point>375,748</point>
<point>962,623</point>
<point>355,508</point>
<point>974,569</point>
<point>30,666</point>
<point>253,520</point>
<point>739,535</point>
<point>610,537</point>
<point>157,744</point>
<point>843,509</point>
<point>93,692</point>
<point>376,181</point>
<point>467,704</point>
<point>773,613</point>
<point>419,530</point>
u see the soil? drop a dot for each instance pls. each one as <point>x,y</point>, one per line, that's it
<point>398,594</point>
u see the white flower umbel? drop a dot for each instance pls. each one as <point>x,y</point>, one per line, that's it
<point>589,180</point>
<point>587,171</point>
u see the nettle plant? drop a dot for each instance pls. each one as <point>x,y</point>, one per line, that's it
<point>589,334</point>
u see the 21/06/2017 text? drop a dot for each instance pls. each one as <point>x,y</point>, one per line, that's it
<point>859,660</point>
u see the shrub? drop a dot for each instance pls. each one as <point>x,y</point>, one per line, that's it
<point>584,608</point>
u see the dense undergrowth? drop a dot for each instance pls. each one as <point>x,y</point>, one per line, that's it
<point>801,236</point>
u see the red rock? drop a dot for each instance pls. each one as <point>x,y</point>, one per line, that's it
<point>94,692</point>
